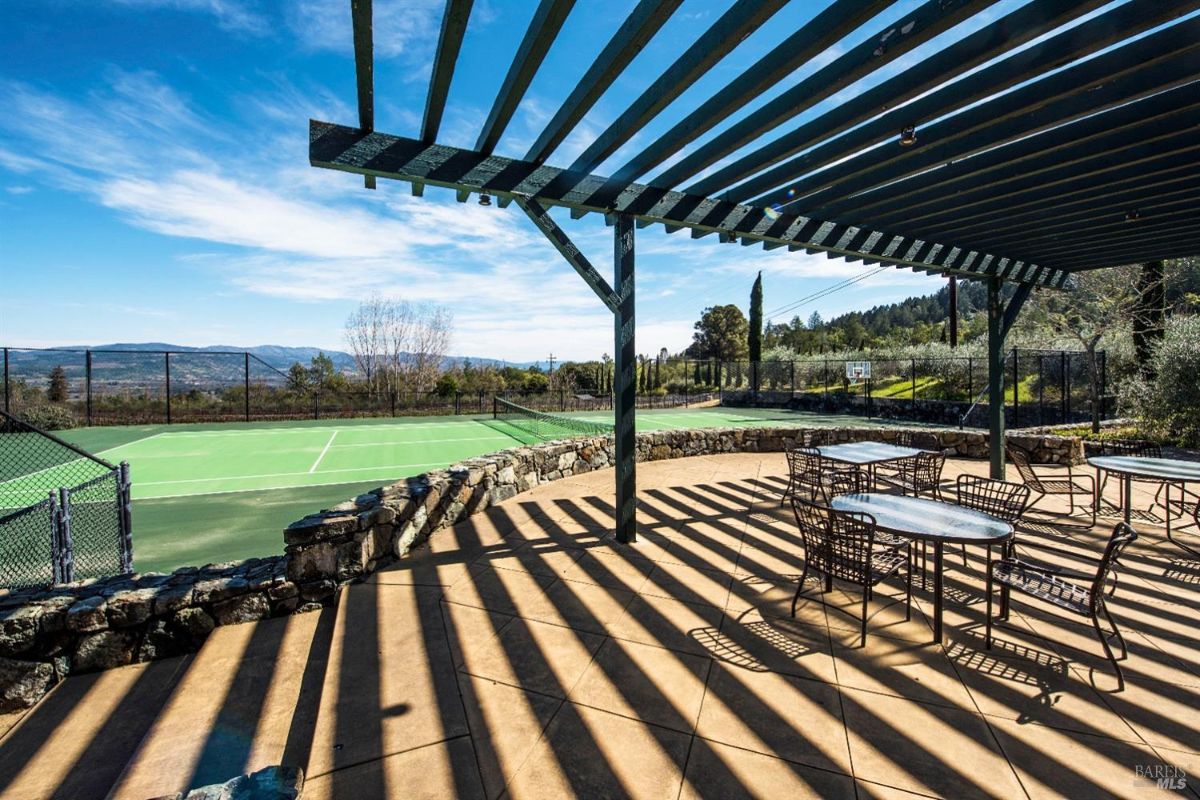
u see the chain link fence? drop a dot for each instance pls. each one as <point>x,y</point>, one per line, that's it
<point>64,513</point>
<point>1042,387</point>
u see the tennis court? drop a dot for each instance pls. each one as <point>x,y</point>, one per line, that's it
<point>184,463</point>
<point>218,492</point>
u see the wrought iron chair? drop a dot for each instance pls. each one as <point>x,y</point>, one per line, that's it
<point>1043,485</point>
<point>1049,585</point>
<point>919,474</point>
<point>843,546</point>
<point>809,472</point>
<point>1002,499</point>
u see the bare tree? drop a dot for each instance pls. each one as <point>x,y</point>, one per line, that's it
<point>366,334</point>
<point>399,345</point>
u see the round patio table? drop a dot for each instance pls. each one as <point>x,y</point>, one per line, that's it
<point>931,520</point>
<point>1168,470</point>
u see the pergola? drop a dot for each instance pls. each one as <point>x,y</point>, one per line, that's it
<point>1078,151</point>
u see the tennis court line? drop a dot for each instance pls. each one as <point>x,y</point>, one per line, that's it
<point>135,441</point>
<point>317,463</point>
<point>291,475</point>
<point>497,438</point>
<point>311,429</point>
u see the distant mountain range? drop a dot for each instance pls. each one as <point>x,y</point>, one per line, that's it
<point>36,364</point>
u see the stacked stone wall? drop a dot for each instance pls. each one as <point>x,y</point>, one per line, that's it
<point>46,634</point>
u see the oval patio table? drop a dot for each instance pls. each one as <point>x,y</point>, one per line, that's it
<point>1168,470</point>
<point>931,520</point>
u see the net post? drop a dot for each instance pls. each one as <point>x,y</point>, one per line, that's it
<point>87,386</point>
<point>64,557</point>
<point>167,375</point>
<point>125,516</point>
<point>626,389</point>
<point>246,375</point>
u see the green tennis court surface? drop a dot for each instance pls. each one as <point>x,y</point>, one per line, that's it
<point>182,462</point>
<point>219,492</point>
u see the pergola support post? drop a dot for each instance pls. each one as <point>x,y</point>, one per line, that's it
<point>621,303</point>
<point>626,392</point>
<point>1000,319</point>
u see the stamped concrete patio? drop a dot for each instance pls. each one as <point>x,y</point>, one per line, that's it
<point>527,653</point>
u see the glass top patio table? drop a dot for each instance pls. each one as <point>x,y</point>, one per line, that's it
<point>1168,470</point>
<point>932,520</point>
<point>866,453</point>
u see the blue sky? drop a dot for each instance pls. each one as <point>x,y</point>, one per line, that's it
<point>155,186</point>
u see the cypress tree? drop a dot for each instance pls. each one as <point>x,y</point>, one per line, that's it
<point>756,323</point>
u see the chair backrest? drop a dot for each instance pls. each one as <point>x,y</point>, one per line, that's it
<point>1122,536</point>
<point>928,466</point>
<point>905,439</point>
<point>1002,499</point>
<point>1019,458</point>
<point>842,481</point>
<point>851,538</point>
<point>1131,447</point>
<point>813,521</point>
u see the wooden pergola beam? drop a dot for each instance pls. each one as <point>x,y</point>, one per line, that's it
<point>454,26</point>
<point>465,171</point>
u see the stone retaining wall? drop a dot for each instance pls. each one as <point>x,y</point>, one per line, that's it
<point>47,634</point>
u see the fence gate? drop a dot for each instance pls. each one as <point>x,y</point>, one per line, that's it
<point>65,514</point>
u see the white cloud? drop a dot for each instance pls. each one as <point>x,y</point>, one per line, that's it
<point>231,15</point>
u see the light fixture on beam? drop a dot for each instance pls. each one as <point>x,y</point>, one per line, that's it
<point>485,199</point>
<point>1132,215</point>
<point>908,135</point>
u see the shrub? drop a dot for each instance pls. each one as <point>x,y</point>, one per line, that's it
<point>49,418</point>
<point>1168,403</point>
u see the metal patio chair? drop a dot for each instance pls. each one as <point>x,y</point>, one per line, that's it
<point>1050,585</point>
<point>919,474</point>
<point>1002,499</point>
<point>843,546</point>
<point>810,473</point>
<point>1053,484</point>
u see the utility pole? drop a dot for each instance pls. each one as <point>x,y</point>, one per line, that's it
<point>551,372</point>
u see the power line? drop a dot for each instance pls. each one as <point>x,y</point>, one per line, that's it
<point>776,313</point>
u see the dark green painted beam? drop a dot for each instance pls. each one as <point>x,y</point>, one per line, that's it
<point>625,391</point>
<point>543,29</point>
<point>742,19</point>
<point>831,25</point>
<point>1096,140</point>
<point>1152,64</point>
<point>454,25</point>
<point>881,48</point>
<point>573,256</point>
<point>364,68</point>
<point>1083,40</point>
<point>352,150</point>
<point>1041,196</point>
<point>637,29</point>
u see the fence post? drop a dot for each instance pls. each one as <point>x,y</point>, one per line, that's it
<point>6,402</point>
<point>392,401</point>
<point>1041,392</point>
<point>970,379</point>
<point>246,376</point>
<point>825,381</point>
<point>1063,404</point>
<point>167,372</point>
<point>912,363</point>
<point>793,370</point>
<point>562,399</point>
<point>1016,391</point>
<point>62,550</point>
<point>125,516</point>
<point>87,386</point>
<point>1103,384</point>
<point>1068,376</point>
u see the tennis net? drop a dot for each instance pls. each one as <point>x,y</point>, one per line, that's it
<point>545,426</point>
